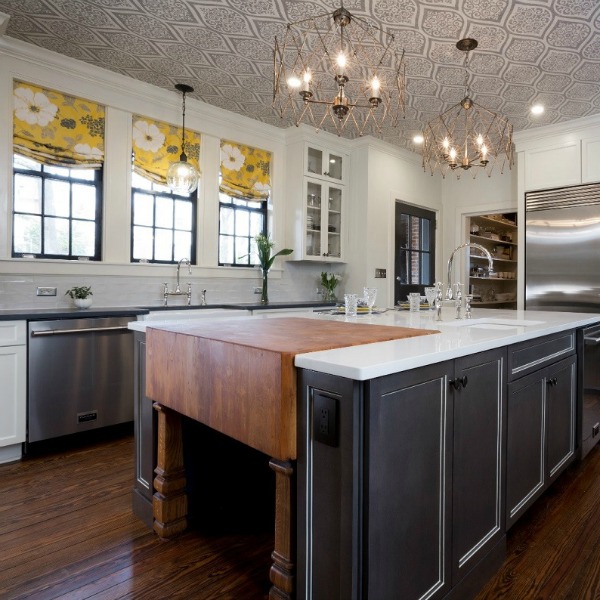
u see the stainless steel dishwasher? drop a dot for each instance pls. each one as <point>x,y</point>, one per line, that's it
<point>80,375</point>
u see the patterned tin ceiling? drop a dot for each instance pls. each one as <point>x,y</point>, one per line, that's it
<point>545,51</point>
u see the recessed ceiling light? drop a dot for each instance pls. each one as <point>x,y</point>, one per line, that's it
<point>537,109</point>
<point>418,139</point>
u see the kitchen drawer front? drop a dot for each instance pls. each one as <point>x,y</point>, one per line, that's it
<point>13,333</point>
<point>526,357</point>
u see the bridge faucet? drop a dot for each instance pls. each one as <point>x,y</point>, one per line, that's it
<point>186,261</point>
<point>449,290</point>
<point>177,291</point>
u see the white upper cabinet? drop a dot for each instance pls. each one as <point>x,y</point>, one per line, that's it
<point>553,166</point>
<point>590,160</point>
<point>326,164</point>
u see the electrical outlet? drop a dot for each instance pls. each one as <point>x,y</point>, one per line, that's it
<point>46,291</point>
<point>380,274</point>
<point>258,290</point>
<point>324,418</point>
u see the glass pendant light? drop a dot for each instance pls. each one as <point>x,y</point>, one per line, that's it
<point>182,176</point>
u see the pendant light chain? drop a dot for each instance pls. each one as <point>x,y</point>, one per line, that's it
<point>183,154</point>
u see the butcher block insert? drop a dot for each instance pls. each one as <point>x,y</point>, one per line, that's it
<point>238,376</point>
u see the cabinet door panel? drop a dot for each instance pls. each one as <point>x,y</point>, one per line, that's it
<point>478,513</point>
<point>408,441</point>
<point>560,405</point>
<point>524,445</point>
<point>13,367</point>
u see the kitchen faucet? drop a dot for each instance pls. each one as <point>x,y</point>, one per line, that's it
<point>453,291</point>
<point>178,292</point>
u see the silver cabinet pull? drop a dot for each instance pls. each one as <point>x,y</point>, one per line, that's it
<point>82,330</point>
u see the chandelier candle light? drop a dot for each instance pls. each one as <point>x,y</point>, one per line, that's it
<point>467,135</point>
<point>182,176</point>
<point>339,72</point>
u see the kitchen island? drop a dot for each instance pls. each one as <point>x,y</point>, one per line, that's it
<point>403,447</point>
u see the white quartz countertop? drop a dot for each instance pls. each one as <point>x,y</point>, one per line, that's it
<point>488,329</point>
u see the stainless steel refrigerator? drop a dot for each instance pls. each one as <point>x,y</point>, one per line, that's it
<point>562,249</point>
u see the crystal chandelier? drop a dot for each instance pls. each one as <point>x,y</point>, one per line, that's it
<point>182,176</point>
<point>467,135</point>
<point>339,72</point>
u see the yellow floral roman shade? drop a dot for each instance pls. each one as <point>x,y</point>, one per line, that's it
<point>156,145</point>
<point>57,129</point>
<point>245,171</point>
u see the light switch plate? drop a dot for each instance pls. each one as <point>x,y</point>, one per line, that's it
<point>380,274</point>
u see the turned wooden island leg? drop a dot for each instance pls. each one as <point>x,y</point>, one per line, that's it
<point>169,503</point>
<point>283,569</point>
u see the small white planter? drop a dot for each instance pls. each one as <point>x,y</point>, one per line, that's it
<point>82,302</point>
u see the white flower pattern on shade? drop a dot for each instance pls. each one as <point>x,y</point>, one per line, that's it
<point>33,108</point>
<point>261,188</point>
<point>87,151</point>
<point>232,158</point>
<point>147,136</point>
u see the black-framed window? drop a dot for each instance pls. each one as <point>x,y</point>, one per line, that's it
<point>240,221</point>
<point>414,250</point>
<point>163,224</point>
<point>57,211</point>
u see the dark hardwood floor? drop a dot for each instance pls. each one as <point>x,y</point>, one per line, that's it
<point>67,531</point>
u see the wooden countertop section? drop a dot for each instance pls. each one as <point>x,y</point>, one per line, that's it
<point>238,377</point>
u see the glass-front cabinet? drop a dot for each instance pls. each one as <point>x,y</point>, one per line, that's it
<point>323,223</point>
<point>324,163</point>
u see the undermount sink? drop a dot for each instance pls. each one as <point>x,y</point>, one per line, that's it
<point>493,323</point>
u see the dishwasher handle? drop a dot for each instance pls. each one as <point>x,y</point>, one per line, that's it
<point>82,330</point>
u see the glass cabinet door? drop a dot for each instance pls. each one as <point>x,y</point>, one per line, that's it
<point>334,168</point>
<point>334,222</point>
<point>313,218</point>
<point>315,161</point>
<point>322,163</point>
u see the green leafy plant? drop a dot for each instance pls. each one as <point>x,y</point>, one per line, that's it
<point>79,292</point>
<point>264,245</point>
<point>329,281</point>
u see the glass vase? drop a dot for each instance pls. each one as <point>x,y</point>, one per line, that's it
<point>329,296</point>
<point>264,296</point>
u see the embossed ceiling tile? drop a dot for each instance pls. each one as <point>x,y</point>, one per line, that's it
<point>515,109</point>
<point>34,7</point>
<point>553,83</point>
<point>298,11</point>
<point>443,24</point>
<point>146,26</point>
<point>237,94</point>
<point>60,46</point>
<point>546,118</point>
<point>418,67</point>
<point>409,40</point>
<point>255,83</point>
<point>425,87</point>
<point>411,114</point>
<point>166,66</point>
<point>169,10</point>
<point>524,50</point>
<point>521,74</point>
<point>452,95</point>
<point>231,63</point>
<point>68,30</point>
<point>550,100</point>
<point>571,108</point>
<point>490,102</point>
<point>215,77</point>
<point>450,76</point>
<point>486,64</point>
<point>529,20</point>
<point>559,62</point>
<point>129,43</point>
<point>445,53</point>
<point>583,91</point>
<point>85,13</point>
<point>183,53</point>
<point>518,93</point>
<point>223,20</point>
<point>395,12</point>
<point>486,85</point>
<point>427,103</point>
<point>485,10</point>
<point>268,30</point>
<point>20,23</point>
<point>152,78</point>
<point>227,104</point>
<point>115,58</point>
<point>592,50</point>
<point>519,122</point>
<point>256,49</point>
<point>117,4</point>
<point>575,8</point>
<point>565,34</point>
<point>588,71</point>
<point>259,8</point>
<point>202,38</point>
<point>490,38</point>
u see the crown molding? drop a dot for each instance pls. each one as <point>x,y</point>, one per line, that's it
<point>576,128</point>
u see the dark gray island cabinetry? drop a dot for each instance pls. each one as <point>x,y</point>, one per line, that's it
<point>406,496</point>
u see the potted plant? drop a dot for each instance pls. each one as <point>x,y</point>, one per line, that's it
<point>80,295</point>
<point>264,245</point>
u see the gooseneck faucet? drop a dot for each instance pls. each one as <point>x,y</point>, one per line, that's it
<point>178,292</point>
<point>450,293</point>
<point>186,261</point>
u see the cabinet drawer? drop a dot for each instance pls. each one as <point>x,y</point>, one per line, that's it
<point>13,333</point>
<point>526,357</point>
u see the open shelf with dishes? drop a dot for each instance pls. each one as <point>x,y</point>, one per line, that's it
<point>498,235</point>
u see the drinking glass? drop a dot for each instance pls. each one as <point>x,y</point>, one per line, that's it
<point>430,294</point>
<point>414,301</point>
<point>351,304</point>
<point>370,295</point>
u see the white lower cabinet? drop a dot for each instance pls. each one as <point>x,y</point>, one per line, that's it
<point>13,391</point>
